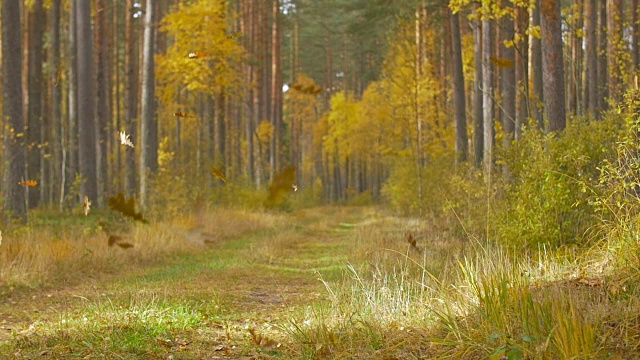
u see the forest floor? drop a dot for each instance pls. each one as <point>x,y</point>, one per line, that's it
<point>226,301</point>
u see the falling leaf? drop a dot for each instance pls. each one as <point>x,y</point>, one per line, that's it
<point>411,240</point>
<point>126,207</point>
<point>114,239</point>
<point>501,62</point>
<point>280,186</point>
<point>124,245</point>
<point>58,77</point>
<point>197,55</point>
<point>86,205</point>
<point>28,183</point>
<point>219,173</point>
<point>294,187</point>
<point>179,114</point>
<point>125,139</point>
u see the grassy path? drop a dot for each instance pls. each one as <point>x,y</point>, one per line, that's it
<point>224,302</point>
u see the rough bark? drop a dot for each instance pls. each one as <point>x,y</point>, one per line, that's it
<point>552,62</point>
<point>14,196</point>
<point>536,70</point>
<point>487,95</point>
<point>35,120</point>
<point>86,121</point>
<point>149,126</point>
<point>458,90</point>
<point>591,86</point>
<point>508,81</point>
<point>131,97</point>
<point>56,100</point>
<point>603,70</point>
<point>101,112</point>
<point>521,22</point>
<point>478,130</point>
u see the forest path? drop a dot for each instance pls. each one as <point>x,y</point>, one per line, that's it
<point>190,306</point>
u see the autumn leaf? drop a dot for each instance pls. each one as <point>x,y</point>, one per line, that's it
<point>126,207</point>
<point>124,245</point>
<point>180,114</point>
<point>198,55</point>
<point>28,183</point>
<point>125,139</point>
<point>86,205</point>
<point>501,62</point>
<point>219,173</point>
<point>280,186</point>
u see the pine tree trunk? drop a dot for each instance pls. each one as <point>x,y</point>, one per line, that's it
<point>591,87</point>
<point>536,70</point>
<point>36,125</point>
<point>131,97</point>
<point>614,38</point>
<point>478,131</point>
<point>603,70</point>
<point>458,90</point>
<point>101,112</point>
<point>14,196</point>
<point>86,121</point>
<point>508,87</point>
<point>56,100</point>
<point>487,95</point>
<point>553,66</point>
<point>148,127</point>
<point>521,23</point>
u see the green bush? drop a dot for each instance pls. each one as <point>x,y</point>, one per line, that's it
<point>551,182</point>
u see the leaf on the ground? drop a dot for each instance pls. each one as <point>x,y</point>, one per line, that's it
<point>263,341</point>
<point>589,282</point>
<point>124,245</point>
<point>126,207</point>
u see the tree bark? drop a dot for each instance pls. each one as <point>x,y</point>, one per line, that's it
<point>149,126</point>
<point>603,70</point>
<point>56,100</point>
<point>35,120</point>
<point>508,76</point>
<point>591,87</point>
<point>86,121</point>
<point>487,95</point>
<point>521,23</point>
<point>14,207</point>
<point>553,67</point>
<point>458,90</point>
<point>614,38</point>
<point>101,112</point>
<point>478,131</point>
<point>536,69</point>
<point>131,97</point>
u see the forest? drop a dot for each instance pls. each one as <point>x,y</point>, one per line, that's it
<point>263,179</point>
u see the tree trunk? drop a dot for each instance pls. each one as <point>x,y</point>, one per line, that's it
<point>603,71</point>
<point>101,113</point>
<point>614,39</point>
<point>35,122</point>
<point>458,90</point>
<point>56,99</point>
<point>14,207</point>
<point>149,126</point>
<point>536,69</point>
<point>276,88</point>
<point>478,131</point>
<point>131,97</point>
<point>521,23</point>
<point>487,95</point>
<point>591,87</point>
<point>508,76</point>
<point>86,121</point>
<point>553,68</point>
<point>635,41</point>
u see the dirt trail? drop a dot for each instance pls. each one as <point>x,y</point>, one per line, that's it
<point>260,278</point>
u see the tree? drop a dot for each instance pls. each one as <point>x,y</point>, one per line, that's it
<point>130,96</point>
<point>536,69</point>
<point>508,87</point>
<point>102,114</point>
<point>149,126</point>
<point>521,44</point>
<point>13,132</point>
<point>478,128</point>
<point>56,101</point>
<point>552,62</point>
<point>591,68</point>
<point>487,93</point>
<point>36,125</point>
<point>458,89</point>
<point>603,69</point>
<point>86,121</point>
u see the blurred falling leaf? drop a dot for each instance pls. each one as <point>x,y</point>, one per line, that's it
<point>294,187</point>
<point>310,90</point>
<point>125,139</point>
<point>501,62</point>
<point>126,207</point>
<point>219,173</point>
<point>411,240</point>
<point>198,55</point>
<point>180,114</point>
<point>28,183</point>
<point>280,186</point>
<point>86,205</point>
<point>124,245</point>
